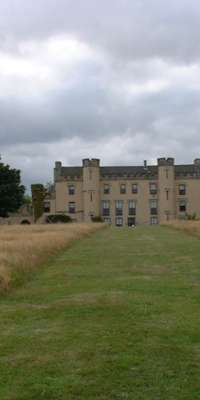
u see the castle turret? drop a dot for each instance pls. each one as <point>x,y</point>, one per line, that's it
<point>91,188</point>
<point>166,194</point>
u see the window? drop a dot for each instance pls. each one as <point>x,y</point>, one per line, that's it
<point>153,188</point>
<point>72,207</point>
<point>119,207</point>
<point>119,221</point>
<point>153,207</point>
<point>106,188</point>
<point>134,188</point>
<point>122,188</point>
<point>153,220</point>
<point>107,220</point>
<point>47,206</point>
<point>182,206</point>
<point>167,173</point>
<point>71,189</point>
<point>167,194</point>
<point>105,207</point>
<point>131,207</point>
<point>131,221</point>
<point>182,189</point>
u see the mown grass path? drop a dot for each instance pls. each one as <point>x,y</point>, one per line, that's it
<point>116,316</point>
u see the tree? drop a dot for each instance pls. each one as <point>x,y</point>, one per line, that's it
<point>11,190</point>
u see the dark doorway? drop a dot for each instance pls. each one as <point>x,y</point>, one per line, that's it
<point>131,221</point>
<point>25,222</point>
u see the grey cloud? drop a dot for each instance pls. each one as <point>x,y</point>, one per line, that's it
<point>127,29</point>
<point>94,107</point>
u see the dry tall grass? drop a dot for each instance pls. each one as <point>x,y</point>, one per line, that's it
<point>22,248</point>
<point>191,227</point>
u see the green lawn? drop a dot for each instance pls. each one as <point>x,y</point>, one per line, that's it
<point>116,316</point>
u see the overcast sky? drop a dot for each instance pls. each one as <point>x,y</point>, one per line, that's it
<point>113,79</point>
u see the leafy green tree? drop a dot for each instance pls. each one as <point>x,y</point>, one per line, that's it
<point>11,190</point>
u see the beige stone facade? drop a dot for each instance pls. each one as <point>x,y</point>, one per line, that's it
<point>127,195</point>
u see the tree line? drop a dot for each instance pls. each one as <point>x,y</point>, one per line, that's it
<point>12,192</point>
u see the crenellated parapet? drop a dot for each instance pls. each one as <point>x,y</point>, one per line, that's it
<point>163,162</point>
<point>93,162</point>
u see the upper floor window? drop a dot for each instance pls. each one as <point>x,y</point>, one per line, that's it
<point>106,188</point>
<point>153,188</point>
<point>105,208</point>
<point>123,188</point>
<point>71,189</point>
<point>131,207</point>
<point>182,189</point>
<point>134,188</point>
<point>72,207</point>
<point>182,206</point>
<point>153,207</point>
<point>119,207</point>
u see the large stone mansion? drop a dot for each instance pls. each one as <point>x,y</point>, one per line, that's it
<point>125,195</point>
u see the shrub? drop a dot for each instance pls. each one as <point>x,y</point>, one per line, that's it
<point>97,219</point>
<point>191,217</point>
<point>58,218</point>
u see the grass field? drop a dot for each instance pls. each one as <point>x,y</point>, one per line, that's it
<point>115,316</point>
<point>23,248</point>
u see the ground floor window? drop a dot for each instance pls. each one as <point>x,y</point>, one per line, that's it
<point>182,206</point>
<point>107,220</point>
<point>131,207</point>
<point>72,207</point>
<point>119,221</point>
<point>119,208</point>
<point>105,207</point>
<point>131,221</point>
<point>153,206</point>
<point>154,221</point>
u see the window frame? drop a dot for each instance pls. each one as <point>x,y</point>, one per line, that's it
<point>184,204</point>
<point>131,210</point>
<point>122,188</point>
<point>153,209</point>
<point>106,188</point>
<point>119,210</point>
<point>153,190</point>
<point>154,218</point>
<point>182,191</point>
<point>105,210</point>
<point>71,192</point>
<point>72,210</point>
<point>128,221</point>
<point>134,188</point>
<point>117,219</point>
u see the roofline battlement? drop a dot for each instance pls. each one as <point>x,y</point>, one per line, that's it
<point>165,161</point>
<point>93,162</point>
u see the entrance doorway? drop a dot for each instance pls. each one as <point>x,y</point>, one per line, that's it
<point>131,221</point>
